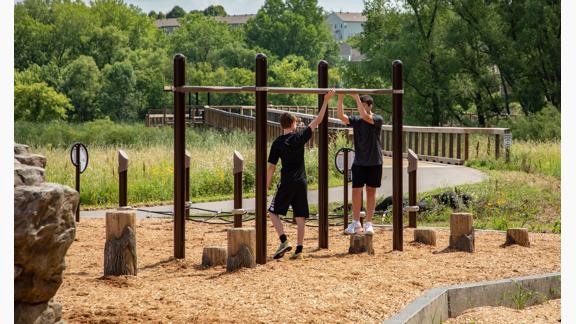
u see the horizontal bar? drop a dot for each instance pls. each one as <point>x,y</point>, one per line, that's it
<point>187,89</point>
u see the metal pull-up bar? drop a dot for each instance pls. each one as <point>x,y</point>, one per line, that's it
<point>223,89</point>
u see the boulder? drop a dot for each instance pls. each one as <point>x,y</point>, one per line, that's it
<point>42,313</point>
<point>26,175</point>
<point>31,159</point>
<point>44,229</point>
<point>20,149</point>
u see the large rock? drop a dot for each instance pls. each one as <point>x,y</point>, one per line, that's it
<point>26,175</point>
<point>44,229</point>
<point>42,313</point>
<point>31,159</point>
<point>20,149</point>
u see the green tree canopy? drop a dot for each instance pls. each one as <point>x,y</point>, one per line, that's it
<point>176,12</point>
<point>294,27</point>
<point>39,102</point>
<point>82,83</point>
<point>215,10</point>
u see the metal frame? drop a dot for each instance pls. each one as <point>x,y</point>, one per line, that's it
<point>261,91</point>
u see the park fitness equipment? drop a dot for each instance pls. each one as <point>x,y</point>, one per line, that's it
<point>261,90</point>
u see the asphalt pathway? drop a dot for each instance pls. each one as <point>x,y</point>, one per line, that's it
<point>429,177</point>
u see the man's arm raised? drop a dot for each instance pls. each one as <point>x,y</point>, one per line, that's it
<point>340,111</point>
<point>363,114</point>
<point>314,123</point>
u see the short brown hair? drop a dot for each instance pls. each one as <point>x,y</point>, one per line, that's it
<point>367,99</point>
<point>286,120</point>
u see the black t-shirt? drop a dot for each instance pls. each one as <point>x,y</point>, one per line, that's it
<point>367,140</point>
<point>290,149</point>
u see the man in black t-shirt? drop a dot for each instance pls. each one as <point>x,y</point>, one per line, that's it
<point>292,189</point>
<point>367,165</point>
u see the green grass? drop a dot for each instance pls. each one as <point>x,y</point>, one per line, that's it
<point>150,152</point>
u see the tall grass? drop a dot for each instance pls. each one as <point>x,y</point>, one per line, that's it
<point>150,152</point>
<point>527,156</point>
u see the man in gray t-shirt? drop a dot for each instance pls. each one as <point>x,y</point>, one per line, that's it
<point>367,165</point>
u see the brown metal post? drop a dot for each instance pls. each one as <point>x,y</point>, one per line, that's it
<point>187,175</point>
<point>397,241</point>
<point>122,178</point>
<point>345,189</point>
<point>412,168</point>
<point>238,168</point>
<point>323,162</point>
<point>466,145</point>
<point>451,148</point>
<point>78,180</point>
<point>436,141</point>
<point>261,122</point>
<point>179,159</point>
<point>497,145</point>
<point>458,146</point>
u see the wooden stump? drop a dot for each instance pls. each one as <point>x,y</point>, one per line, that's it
<point>241,248</point>
<point>213,256</point>
<point>462,232</point>
<point>360,243</point>
<point>120,248</point>
<point>426,236</point>
<point>517,236</point>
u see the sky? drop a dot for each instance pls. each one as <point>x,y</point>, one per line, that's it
<point>237,7</point>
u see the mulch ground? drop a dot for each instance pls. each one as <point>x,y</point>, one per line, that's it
<point>328,286</point>
<point>548,312</point>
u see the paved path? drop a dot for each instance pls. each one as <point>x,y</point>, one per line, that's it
<point>430,176</point>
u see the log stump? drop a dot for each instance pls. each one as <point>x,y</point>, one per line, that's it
<point>241,248</point>
<point>462,232</point>
<point>360,243</point>
<point>517,236</point>
<point>213,256</point>
<point>425,236</point>
<point>120,248</point>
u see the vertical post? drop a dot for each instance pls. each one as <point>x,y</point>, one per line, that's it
<point>458,146</point>
<point>412,167</point>
<point>323,162</point>
<point>397,97</point>
<point>122,178</point>
<point>179,159</point>
<point>345,188</point>
<point>196,98</point>
<point>208,98</point>
<point>466,145</point>
<point>497,146</point>
<point>261,121</point>
<point>429,143</point>
<point>436,140</point>
<point>443,144</point>
<point>451,148</point>
<point>188,156</point>
<point>238,168</point>
<point>78,180</point>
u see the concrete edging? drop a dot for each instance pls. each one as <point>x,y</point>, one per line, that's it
<point>438,304</point>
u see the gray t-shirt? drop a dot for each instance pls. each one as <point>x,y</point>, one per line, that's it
<point>367,140</point>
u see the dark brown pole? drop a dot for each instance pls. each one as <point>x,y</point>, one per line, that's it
<point>238,168</point>
<point>466,144</point>
<point>497,145</point>
<point>345,188</point>
<point>187,175</point>
<point>179,159</point>
<point>412,168</point>
<point>261,123</point>
<point>78,180</point>
<point>323,162</point>
<point>122,178</point>
<point>397,234</point>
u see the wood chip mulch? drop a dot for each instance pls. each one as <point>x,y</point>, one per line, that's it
<point>329,285</point>
<point>548,312</point>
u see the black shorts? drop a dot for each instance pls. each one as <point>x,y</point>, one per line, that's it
<point>370,176</point>
<point>294,194</point>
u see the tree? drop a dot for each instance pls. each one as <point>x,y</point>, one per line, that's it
<point>293,27</point>
<point>215,10</point>
<point>176,12</point>
<point>82,83</point>
<point>153,14</point>
<point>107,45</point>
<point>39,102</point>
<point>161,15</point>
<point>201,38</point>
<point>118,96</point>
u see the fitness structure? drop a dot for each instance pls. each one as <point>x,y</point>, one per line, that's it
<point>261,91</point>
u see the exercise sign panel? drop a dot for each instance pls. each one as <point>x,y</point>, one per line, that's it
<point>340,159</point>
<point>83,156</point>
<point>507,140</point>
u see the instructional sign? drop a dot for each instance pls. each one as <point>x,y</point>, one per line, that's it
<point>339,159</point>
<point>83,156</point>
<point>507,140</point>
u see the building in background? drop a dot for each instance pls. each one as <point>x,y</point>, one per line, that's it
<point>344,25</point>
<point>169,24</point>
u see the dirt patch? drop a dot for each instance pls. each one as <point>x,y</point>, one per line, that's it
<point>548,312</point>
<point>328,286</point>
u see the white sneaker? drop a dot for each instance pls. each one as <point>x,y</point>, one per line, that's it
<point>351,229</point>
<point>368,228</point>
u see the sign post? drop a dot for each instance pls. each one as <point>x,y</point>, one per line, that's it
<point>79,158</point>
<point>343,165</point>
<point>507,145</point>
